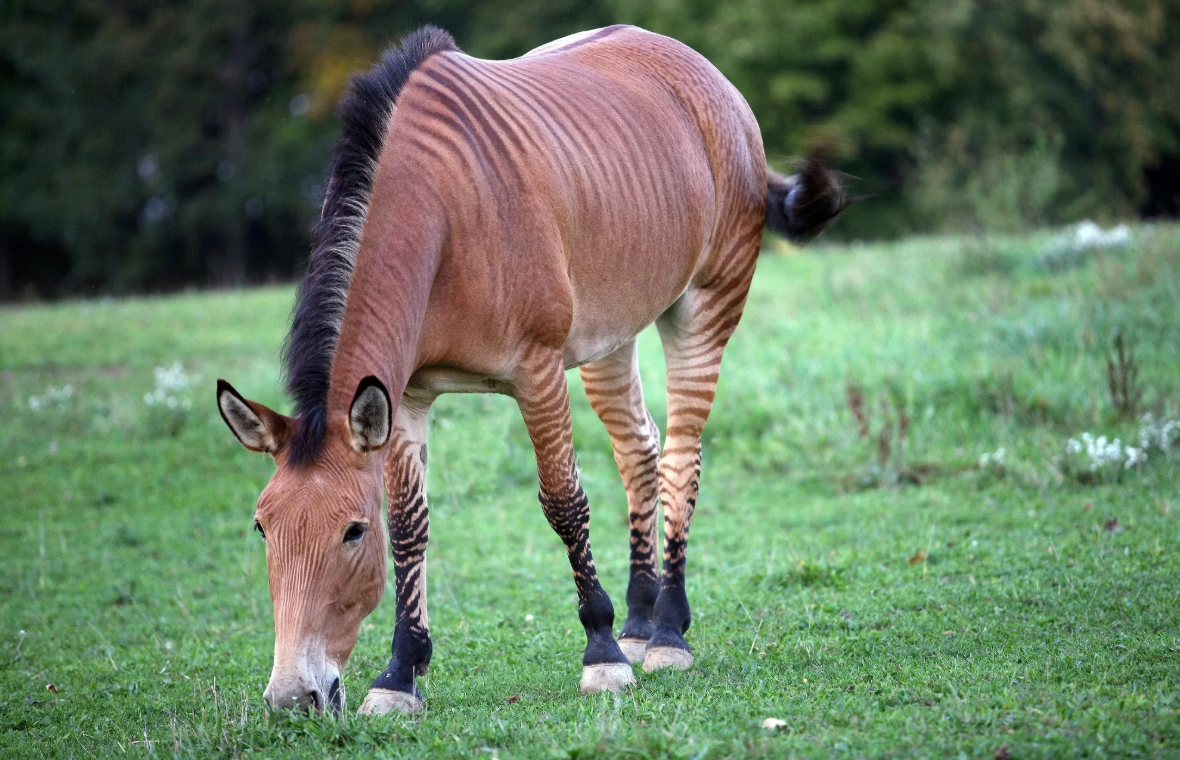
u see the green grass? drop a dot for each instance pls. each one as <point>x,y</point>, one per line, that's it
<point>131,580</point>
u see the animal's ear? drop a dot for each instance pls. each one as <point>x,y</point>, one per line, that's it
<point>370,418</point>
<point>257,427</point>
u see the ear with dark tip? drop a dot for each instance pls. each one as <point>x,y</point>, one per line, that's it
<point>257,427</point>
<point>370,417</point>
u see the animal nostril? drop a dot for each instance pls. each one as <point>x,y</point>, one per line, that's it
<point>315,698</point>
<point>266,699</point>
<point>336,696</point>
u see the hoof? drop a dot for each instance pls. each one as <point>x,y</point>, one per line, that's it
<point>385,701</point>
<point>633,649</point>
<point>610,676</point>
<point>658,658</point>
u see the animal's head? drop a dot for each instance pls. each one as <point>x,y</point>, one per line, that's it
<point>325,547</point>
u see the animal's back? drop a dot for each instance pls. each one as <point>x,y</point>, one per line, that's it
<point>603,167</point>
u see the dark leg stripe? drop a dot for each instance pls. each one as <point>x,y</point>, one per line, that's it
<point>409,535</point>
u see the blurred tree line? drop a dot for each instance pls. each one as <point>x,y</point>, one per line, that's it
<point>148,145</point>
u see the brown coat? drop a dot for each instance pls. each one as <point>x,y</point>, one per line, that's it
<point>488,225</point>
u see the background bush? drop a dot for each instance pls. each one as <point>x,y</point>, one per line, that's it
<point>147,146</point>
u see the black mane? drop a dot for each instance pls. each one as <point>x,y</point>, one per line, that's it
<point>310,347</point>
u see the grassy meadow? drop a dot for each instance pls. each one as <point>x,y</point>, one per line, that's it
<point>866,565</point>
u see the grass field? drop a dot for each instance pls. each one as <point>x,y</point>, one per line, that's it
<point>880,603</point>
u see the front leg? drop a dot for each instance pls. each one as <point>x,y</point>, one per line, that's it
<point>544,403</point>
<point>409,533</point>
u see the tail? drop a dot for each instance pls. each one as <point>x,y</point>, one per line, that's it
<point>801,206</point>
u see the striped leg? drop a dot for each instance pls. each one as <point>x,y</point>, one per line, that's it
<point>613,387</point>
<point>409,533</point>
<point>544,403</point>
<point>694,334</point>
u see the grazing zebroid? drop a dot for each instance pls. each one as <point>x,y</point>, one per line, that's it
<point>487,225</point>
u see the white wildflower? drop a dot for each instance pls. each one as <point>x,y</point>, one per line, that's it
<point>1098,451</point>
<point>1163,435</point>
<point>172,385</point>
<point>174,378</point>
<point>1098,459</point>
<point>1089,235</point>
<point>992,459</point>
<point>1073,245</point>
<point>1146,429</point>
<point>53,397</point>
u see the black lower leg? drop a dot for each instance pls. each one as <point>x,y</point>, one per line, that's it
<point>411,658</point>
<point>642,591</point>
<point>672,615</point>
<point>569,515</point>
<point>642,496</point>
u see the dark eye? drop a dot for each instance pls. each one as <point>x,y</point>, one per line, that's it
<point>354,533</point>
<point>258,527</point>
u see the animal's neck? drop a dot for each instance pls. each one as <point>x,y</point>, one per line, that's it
<point>395,269</point>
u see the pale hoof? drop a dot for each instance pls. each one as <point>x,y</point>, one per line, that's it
<point>633,649</point>
<point>385,701</point>
<point>658,658</point>
<point>610,676</point>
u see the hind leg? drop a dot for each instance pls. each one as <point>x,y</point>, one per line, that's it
<point>694,333</point>
<point>613,387</point>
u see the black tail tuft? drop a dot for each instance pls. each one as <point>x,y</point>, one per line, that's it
<point>801,206</point>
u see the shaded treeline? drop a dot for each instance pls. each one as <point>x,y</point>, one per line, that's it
<point>147,146</point>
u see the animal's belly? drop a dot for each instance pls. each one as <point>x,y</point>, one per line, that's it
<point>581,349</point>
<point>601,328</point>
<point>429,382</point>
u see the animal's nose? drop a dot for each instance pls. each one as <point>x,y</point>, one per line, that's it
<point>306,698</point>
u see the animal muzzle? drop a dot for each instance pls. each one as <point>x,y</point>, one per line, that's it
<point>305,696</point>
<point>302,682</point>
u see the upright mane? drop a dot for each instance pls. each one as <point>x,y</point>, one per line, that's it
<point>310,347</point>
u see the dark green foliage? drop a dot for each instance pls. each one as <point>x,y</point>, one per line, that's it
<point>146,146</point>
<point>150,145</point>
<point>967,113</point>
